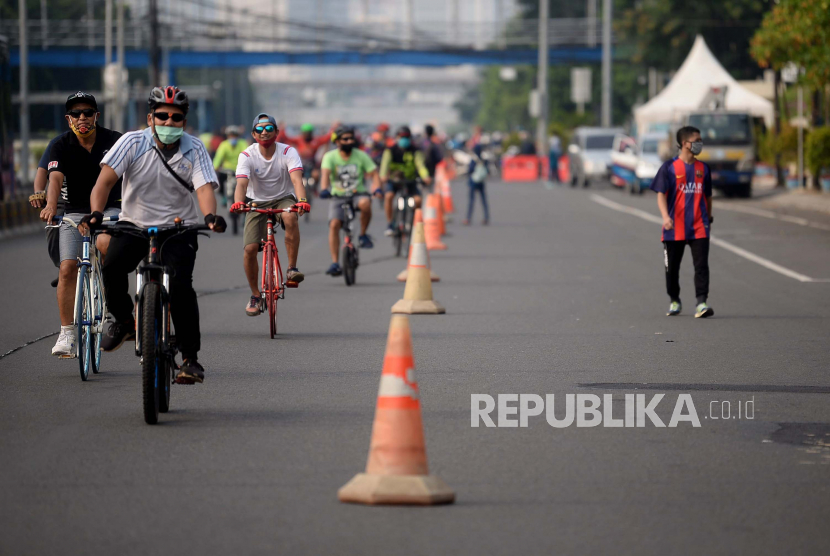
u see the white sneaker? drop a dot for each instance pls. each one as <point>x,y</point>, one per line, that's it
<point>65,344</point>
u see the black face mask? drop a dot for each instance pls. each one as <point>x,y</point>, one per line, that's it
<point>347,147</point>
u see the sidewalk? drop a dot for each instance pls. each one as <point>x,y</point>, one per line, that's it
<point>814,201</point>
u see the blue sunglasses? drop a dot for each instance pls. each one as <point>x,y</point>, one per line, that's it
<point>269,128</point>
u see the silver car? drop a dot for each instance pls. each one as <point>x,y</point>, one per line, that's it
<point>589,154</point>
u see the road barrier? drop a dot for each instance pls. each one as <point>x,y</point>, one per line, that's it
<point>396,470</point>
<point>16,213</point>
<point>524,168</point>
<point>404,274</point>
<point>417,295</point>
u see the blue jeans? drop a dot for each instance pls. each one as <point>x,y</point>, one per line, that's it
<point>480,188</point>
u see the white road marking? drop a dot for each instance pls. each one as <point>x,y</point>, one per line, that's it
<point>774,216</point>
<point>766,263</point>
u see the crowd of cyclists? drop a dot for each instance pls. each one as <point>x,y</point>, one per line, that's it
<point>162,176</point>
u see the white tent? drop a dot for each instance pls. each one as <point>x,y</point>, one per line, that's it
<point>699,73</point>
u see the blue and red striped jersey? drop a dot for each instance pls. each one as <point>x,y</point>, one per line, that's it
<point>686,187</point>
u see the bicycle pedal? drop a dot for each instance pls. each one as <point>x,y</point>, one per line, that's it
<point>184,381</point>
<point>67,356</point>
<point>290,284</point>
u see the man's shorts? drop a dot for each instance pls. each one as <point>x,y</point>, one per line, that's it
<point>256,223</point>
<point>70,238</point>
<point>411,186</point>
<point>336,209</point>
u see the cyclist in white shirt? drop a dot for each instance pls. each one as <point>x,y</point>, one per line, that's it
<point>270,174</point>
<point>153,196</point>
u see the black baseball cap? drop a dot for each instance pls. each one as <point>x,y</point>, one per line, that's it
<point>78,98</point>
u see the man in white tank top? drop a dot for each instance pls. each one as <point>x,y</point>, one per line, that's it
<point>270,174</point>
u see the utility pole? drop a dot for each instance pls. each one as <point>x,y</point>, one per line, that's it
<point>119,107</point>
<point>606,63</point>
<point>455,19</point>
<point>407,15</point>
<point>90,24</point>
<point>542,81</point>
<point>44,37</point>
<point>24,94</point>
<point>108,115</point>
<point>801,123</point>
<point>591,12</point>
<point>154,44</point>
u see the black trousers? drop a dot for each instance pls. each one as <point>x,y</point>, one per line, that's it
<point>179,252</point>
<point>673,254</point>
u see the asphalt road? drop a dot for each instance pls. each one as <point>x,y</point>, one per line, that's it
<point>559,295</point>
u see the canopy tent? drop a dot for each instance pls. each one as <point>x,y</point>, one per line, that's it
<point>692,83</point>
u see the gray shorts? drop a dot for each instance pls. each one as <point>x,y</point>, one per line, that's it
<point>70,238</point>
<point>336,209</point>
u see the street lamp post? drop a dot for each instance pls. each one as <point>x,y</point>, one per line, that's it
<point>542,81</point>
<point>24,95</point>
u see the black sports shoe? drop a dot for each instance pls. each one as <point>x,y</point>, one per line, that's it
<point>117,333</point>
<point>55,283</point>
<point>190,371</point>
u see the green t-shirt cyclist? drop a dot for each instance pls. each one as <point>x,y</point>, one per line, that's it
<point>344,174</point>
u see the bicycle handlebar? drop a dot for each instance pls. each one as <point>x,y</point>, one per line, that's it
<point>65,219</point>
<point>266,211</point>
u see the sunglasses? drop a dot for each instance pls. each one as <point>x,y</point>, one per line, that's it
<point>262,129</point>
<point>164,116</point>
<point>88,112</point>
<point>347,139</point>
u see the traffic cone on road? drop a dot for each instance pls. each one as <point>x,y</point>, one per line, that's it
<point>439,209</point>
<point>432,227</point>
<point>396,472</point>
<point>402,276</point>
<point>417,296</point>
<point>445,190</point>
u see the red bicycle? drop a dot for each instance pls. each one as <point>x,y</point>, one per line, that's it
<point>273,284</point>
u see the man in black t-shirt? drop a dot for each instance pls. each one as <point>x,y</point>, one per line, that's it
<point>74,165</point>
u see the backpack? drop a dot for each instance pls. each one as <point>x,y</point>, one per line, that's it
<point>479,172</point>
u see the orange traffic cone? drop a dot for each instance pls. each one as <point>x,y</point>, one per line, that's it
<point>396,472</point>
<point>444,188</point>
<point>432,227</point>
<point>402,276</point>
<point>417,296</point>
<point>439,210</point>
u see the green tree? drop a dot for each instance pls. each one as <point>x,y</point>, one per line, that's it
<point>796,31</point>
<point>662,31</point>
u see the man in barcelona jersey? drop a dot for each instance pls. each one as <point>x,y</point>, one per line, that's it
<point>684,196</point>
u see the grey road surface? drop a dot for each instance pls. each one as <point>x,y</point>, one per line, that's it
<point>559,295</point>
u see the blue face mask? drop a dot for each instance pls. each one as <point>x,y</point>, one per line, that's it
<point>404,142</point>
<point>233,141</point>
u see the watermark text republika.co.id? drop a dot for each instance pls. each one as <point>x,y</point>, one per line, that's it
<point>591,410</point>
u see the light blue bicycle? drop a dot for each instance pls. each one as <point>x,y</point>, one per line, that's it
<point>90,301</point>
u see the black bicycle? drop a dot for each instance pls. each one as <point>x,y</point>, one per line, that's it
<point>349,252</point>
<point>403,213</point>
<point>155,339</point>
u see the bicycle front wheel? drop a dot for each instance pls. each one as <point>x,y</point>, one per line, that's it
<point>83,322</point>
<point>151,353</point>
<point>271,287</point>
<point>99,313</point>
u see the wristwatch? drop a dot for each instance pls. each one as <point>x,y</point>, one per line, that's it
<point>303,200</point>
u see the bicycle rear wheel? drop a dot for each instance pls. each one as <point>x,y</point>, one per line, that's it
<point>151,355</point>
<point>349,264</point>
<point>83,320</point>
<point>99,313</point>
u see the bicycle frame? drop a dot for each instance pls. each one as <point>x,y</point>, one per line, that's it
<point>145,274</point>
<point>270,242</point>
